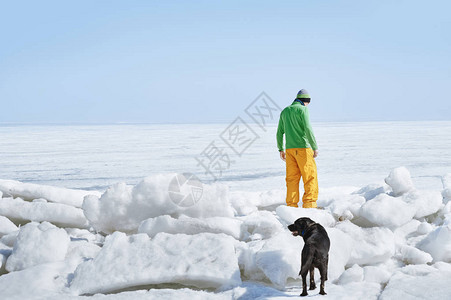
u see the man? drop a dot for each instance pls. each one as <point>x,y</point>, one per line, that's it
<point>301,149</point>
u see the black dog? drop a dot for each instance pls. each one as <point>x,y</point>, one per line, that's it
<point>315,253</point>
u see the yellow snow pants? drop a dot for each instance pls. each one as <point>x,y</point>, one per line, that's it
<point>300,163</point>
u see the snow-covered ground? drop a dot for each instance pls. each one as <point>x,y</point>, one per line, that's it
<point>76,222</point>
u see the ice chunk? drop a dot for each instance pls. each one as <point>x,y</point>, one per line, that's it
<point>425,202</point>
<point>6,226</point>
<point>246,253</point>
<point>81,250</point>
<point>279,258</point>
<point>406,231</point>
<point>387,211</point>
<point>246,203</point>
<point>38,282</point>
<point>204,260</point>
<point>339,252</point>
<point>77,234</point>
<point>376,274</point>
<point>59,214</point>
<point>442,266</point>
<point>260,225</point>
<point>346,207</point>
<point>31,191</point>
<point>10,239</point>
<point>37,244</point>
<point>400,181</point>
<point>418,283</point>
<point>353,274</point>
<point>372,190</point>
<point>424,228</point>
<point>412,255</point>
<point>370,245</point>
<point>123,207</point>
<point>291,214</point>
<point>5,252</point>
<point>438,243</point>
<point>189,225</point>
<point>446,193</point>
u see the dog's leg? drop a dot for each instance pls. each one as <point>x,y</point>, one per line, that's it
<point>323,272</point>
<point>307,259</point>
<point>304,272</point>
<point>312,278</point>
<point>327,266</point>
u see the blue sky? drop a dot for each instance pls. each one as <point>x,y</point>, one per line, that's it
<point>205,61</point>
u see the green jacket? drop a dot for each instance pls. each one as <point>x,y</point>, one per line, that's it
<point>294,122</point>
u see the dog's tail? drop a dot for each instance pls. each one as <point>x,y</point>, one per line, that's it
<point>307,259</point>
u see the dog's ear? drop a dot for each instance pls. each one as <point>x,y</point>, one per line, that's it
<point>309,221</point>
<point>300,224</point>
<point>305,221</point>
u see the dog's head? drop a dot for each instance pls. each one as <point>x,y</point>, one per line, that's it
<point>300,225</point>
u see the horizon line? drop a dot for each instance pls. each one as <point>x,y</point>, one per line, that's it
<point>200,123</point>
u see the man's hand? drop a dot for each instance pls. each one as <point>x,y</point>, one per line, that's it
<point>315,153</point>
<point>282,155</point>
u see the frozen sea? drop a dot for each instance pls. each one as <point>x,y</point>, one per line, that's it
<point>87,211</point>
<point>95,156</point>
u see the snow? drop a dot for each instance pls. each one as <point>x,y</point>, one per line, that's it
<point>400,181</point>
<point>10,238</point>
<point>372,190</point>
<point>5,252</point>
<point>204,260</point>
<point>37,244</point>
<point>425,202</point>
<point>279,258</point>
<point>446,180</point>
<point>424,228</point>
<point>346,207</point>
<point>418,282</point>
<point>353,274</point>
<point>369,245</point>
<point>139,238</point>
<point>246,203</point>
<point>339,252</point>
<point>446,193</point>
<point>376,274</point>
<point>260,225</point>
<point>96,157</point>
<point>30,191</point>
<point>189,225</point>
<point>6,226</point>
<point>379,211</point>
<point>438,243</point>
<point>38,282</point>
<point>290,214</point>
<point>412,255</point>
<point>129,240</point>
<point>221,245</point>
<point>164,294</point>
<point>23,211</point>
<point>124,207</point>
